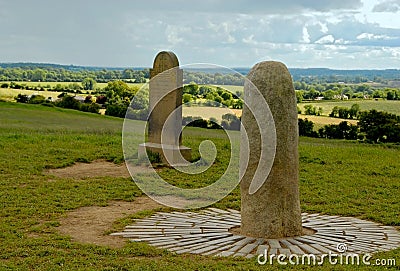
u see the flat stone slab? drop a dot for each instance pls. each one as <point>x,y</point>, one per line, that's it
<point>208,233</point>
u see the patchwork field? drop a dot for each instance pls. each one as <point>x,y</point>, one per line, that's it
<point>337,178</point>
<point>365,105</point>
<point>218,112</point>
<point>209,112</point>
<point>9,94</point>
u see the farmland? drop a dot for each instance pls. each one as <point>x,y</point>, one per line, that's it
<point>336,177</point>
<point>365,105</point>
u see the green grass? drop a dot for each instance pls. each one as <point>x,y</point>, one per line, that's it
<point>365,105</point>
<point>336,177</point>
<point>232,88</point>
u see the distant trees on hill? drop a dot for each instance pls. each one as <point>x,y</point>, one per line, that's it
<point>63,75</point>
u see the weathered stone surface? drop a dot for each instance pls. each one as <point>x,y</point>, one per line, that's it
<point>274,210</point>
<point>165,120</point>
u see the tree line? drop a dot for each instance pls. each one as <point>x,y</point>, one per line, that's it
<point>373,126</point>
<point>341,91</point>
<point>337,111</point>
<point>64,75</point>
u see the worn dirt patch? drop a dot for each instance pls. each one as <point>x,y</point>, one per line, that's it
<point>98,168</point>
<point>89,224</point>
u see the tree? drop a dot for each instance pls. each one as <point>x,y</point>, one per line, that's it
<point>380,126</point>
<point>88,83</point>
<point>116,110</point>
<point>191,89</point>
<point>37,99</point>
<point>38,75</point>
<point>335,112</point>
<point>22,98</point>
<point>306,128</point>
<point>237,104</point>
<point>354,111</point>
<point>226,96</point>
<point>344,113</point>
<point>68,102</point>
<point>390,95</point>
<point>140,101</point>
<point>186,98</point>
<point>299,96</point>
<point>118,88</point>
<point>328,95</point>
<point>127,74</point>
<point>309,109</point>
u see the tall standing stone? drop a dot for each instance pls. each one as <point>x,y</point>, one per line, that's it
<point>273,211</point>
<point>165,120</point>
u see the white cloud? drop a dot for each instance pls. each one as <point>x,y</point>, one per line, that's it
<point>301,33</point>
<point>387,6</point>
<point>324,27</point>
<point>224,31</point>
<point>328,39</point>
<point>342,41</point>
<point>175,34</point>
<point>370,36</point>
<point>306,35</point>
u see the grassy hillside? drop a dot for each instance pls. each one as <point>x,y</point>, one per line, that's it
<point>337,178</point>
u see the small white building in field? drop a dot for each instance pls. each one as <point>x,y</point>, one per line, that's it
<point>341,97</point>
<point>79,99</point>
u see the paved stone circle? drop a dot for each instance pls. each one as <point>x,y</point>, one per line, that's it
<point>208,233</point>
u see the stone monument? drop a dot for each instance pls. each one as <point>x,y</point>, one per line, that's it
<point>165,120</point>
<point>273,211</point>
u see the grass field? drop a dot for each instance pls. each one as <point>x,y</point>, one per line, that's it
<point>9,94</point>
<point>209,112</point>
<point>321,121</point>
<point>365,105</point>
<point>217,112</point>
<point>336,177</point>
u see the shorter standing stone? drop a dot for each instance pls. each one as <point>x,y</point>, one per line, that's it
<point>165,121</point>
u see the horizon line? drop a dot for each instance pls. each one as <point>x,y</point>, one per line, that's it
<point>144,67</point>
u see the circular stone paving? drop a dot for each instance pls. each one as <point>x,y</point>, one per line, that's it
<point>208,233</point>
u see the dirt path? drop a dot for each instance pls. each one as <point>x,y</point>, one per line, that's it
<point>89,224</point>
<point>98,168</point>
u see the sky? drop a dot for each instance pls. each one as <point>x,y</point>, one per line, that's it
<point>338,34</point>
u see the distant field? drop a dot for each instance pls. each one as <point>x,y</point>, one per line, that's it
<point>9,94</point>
<point>320,121</point>
<point>217,112</point>
<point>365,105</point>
<point>231,88</point>
<point>209,112</point>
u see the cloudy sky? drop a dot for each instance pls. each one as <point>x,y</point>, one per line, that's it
<point>344,34</point>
